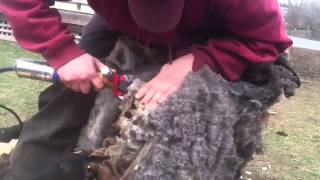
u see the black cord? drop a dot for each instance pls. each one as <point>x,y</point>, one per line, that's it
<point>7,69</point>
<point>13,113</point>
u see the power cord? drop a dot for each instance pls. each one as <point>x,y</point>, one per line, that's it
<point>13,113</point>
<point>8,69</point>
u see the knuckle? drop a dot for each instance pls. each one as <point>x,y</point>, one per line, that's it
<point>146,85</point>
<point>67,79</point>
<point>81,77</point>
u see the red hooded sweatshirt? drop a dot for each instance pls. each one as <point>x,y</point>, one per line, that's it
<point>227,35</point>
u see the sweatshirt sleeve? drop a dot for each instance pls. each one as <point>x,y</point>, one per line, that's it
<point>257,35</point>
<point>39,28</point>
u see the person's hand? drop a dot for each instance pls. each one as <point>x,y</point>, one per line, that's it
<point>80,74</point>
<point>166,82</point>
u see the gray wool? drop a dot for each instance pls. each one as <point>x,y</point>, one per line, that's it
<point>207,130</point>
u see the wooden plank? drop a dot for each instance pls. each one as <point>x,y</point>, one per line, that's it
<point>2,24</point>
<point>75,18</point>
<point>74,7</point>
<point>7,38</point>
<point>69,17</point>
<point>6,31</point>
<point>78,2</point>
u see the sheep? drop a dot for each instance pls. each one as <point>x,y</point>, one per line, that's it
<point>208,129</point>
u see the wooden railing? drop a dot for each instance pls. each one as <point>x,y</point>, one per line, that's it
<point>5,30</point>
<point>76,18</point>
<point>75,6</point>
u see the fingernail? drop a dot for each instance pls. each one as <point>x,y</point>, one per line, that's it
<point>137,96</point>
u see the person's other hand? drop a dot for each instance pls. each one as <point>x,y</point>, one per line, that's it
<point>80,74</point>
<point>166,82</point>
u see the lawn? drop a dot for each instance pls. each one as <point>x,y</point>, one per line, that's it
<point>17,93</point>
<point>291,137</point>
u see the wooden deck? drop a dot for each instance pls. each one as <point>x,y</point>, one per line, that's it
<point>75,18</point>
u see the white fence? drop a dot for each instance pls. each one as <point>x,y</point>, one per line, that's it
<point>75,13</point>
<point>80,6</point>
<point>5,30</point>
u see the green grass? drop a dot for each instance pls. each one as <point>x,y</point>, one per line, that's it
<point>17,93</point>
<point>296,156</point>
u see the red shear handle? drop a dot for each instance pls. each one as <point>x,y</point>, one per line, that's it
<point>117,78</point>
